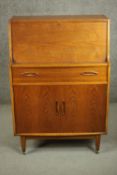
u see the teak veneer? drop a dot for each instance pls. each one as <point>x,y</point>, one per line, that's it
<point>59,76</point>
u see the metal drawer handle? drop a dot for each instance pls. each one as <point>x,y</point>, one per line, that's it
<point>92,73</point>
<point>30,74</point>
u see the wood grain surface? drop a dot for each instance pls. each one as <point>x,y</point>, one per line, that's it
<point>59,41</point>
<point>83,111</point>
<point>79,74</point>
<point>60,76</point>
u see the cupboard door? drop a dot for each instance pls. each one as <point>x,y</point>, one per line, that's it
<point>35,109</point>
<point>60,108</point>
<point>84,108</point>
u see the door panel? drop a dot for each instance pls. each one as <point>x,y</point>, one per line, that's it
<point>35,109</point>
<point>85,108</point>
<point>82,108</point>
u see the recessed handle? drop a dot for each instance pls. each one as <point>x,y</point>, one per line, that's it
<point>90,73</point>
<point>30,74</point>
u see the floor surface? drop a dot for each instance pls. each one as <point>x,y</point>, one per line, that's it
<point>69,157</point>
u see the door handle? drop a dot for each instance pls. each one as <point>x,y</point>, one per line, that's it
<point>57,108</point>
<point>63,108</point>
<point>60,108</point>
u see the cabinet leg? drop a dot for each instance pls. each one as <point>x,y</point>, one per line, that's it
<point>97,143</point>
<point>23,143</point>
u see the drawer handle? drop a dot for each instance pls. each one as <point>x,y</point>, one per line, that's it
<point>30,74</point>
<point>92,73</point>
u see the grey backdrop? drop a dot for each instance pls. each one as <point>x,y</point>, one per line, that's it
<point>10,8</point>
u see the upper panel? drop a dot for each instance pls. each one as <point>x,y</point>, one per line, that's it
<point>59,39</point>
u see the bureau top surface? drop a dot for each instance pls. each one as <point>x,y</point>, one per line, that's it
<point>62,17</point>
<point>59,39</point>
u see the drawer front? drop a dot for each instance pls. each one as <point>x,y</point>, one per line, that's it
<point>69,74</point>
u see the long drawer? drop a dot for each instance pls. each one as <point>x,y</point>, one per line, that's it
<point>63,74</point>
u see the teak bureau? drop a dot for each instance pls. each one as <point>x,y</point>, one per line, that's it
<point>59,74</point>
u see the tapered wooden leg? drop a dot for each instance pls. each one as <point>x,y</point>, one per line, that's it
<point>23,143</point>
<point>97,143</point>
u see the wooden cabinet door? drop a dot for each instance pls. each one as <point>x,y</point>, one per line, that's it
<point>84,108</point>
<point>60,108</point>
<point>35,109</point>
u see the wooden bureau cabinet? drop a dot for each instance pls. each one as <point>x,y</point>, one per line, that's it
<point>59,74</point>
